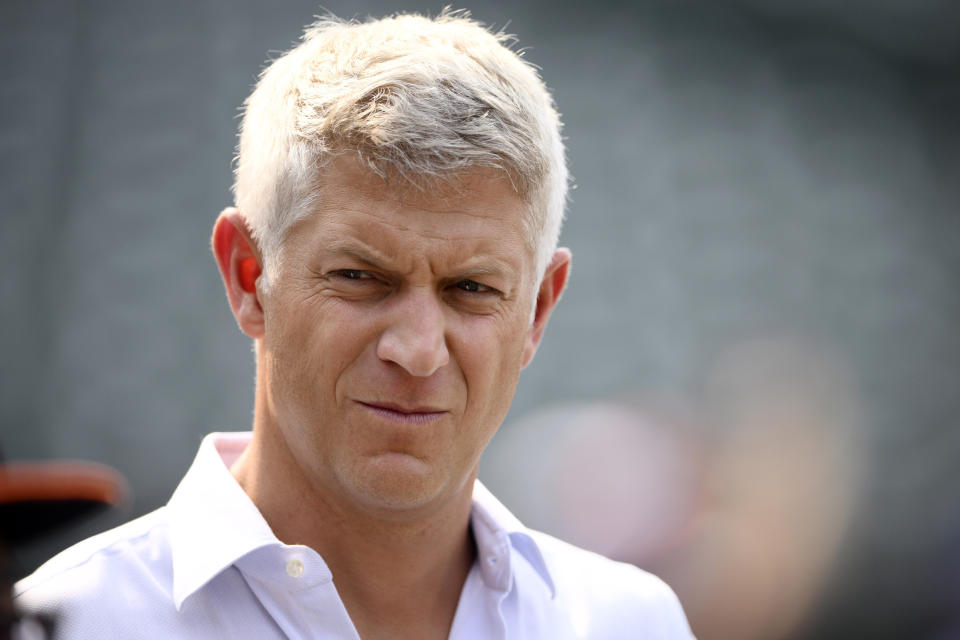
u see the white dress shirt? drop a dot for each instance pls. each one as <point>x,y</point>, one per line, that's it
<point>207,565</point>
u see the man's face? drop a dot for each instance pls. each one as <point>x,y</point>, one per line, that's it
<point>395,332</point>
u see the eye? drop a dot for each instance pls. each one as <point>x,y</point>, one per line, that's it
<point>472,286</point>
<point>353,274</point>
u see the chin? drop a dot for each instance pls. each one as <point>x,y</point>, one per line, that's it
<point>397,482</point>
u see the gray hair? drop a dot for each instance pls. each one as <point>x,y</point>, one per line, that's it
<point>425,98</point>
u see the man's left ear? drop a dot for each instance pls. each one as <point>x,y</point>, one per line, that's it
<point>554,281</point>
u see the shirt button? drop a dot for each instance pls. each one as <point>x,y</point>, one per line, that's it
<point>294,568</point>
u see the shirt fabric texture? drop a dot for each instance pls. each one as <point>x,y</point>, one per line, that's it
<point>207,565</point>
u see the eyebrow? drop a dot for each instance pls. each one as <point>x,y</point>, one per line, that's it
<point>485,270</point>
<point>353,251</point>
<point>489,265</point>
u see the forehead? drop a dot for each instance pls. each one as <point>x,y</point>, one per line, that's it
<point>478,206</point>
<point>347,175</point>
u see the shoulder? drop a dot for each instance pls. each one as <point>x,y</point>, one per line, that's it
<point>614,599</point>
<point>127,567</point>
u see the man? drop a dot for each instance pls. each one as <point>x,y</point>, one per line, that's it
<point>400,187</point>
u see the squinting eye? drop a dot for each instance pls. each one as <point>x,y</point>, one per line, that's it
<point>473,287</point>
<point>352,274</point>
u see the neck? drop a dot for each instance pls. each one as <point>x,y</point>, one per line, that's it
<point>391,572</point>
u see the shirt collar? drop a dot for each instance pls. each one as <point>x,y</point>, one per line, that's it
<point>213,524</point>
<point>212,521</point>
<point>496,530</point>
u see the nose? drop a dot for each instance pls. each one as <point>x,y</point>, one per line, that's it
<point>415,335</point>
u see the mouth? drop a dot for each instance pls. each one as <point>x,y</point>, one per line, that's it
<point>404,415</point>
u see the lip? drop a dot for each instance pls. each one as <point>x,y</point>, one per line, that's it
<point>404,415</point>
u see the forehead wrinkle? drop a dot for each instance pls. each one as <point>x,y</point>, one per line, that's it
<point>398,216</point>
<point>392,215</point>
<point>397,237</point>
<point>397,223</point>
<point>476,264</point>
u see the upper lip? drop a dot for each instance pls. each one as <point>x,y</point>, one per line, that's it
<point>393,406</point>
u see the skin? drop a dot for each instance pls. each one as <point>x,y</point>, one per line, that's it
<point>388,351</point>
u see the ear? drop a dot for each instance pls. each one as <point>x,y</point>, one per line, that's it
<point>240,265</point>
<point>554,281</point>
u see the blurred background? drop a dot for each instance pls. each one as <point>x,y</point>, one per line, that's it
<point>753,383</point>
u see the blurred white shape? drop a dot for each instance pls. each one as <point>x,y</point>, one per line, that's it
<point>601,476</point>
<point>622,485</point>
<point>742,515</point>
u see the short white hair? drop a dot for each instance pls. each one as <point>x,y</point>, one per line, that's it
<point>424,98</point>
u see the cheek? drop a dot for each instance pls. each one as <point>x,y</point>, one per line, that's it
<point>307,346</point>
<point>491,360</point>
<point>299,326</point>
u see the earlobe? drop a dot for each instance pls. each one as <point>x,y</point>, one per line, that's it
<point>551,288</point>
<point>240,266</point>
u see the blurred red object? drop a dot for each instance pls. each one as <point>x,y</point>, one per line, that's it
<point>37,497</point>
